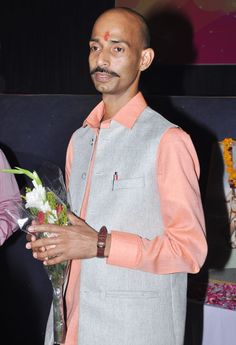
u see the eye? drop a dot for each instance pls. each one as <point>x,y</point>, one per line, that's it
<point>94,48</point>
<point>118,49</point>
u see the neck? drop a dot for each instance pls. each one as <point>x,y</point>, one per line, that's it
<point>113,103</point>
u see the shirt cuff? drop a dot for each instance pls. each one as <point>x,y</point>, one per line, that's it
<point>124,250</point>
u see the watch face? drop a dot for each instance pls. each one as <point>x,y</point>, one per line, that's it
<point>101,245</point>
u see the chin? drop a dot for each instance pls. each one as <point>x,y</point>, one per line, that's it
<point>103,88</point>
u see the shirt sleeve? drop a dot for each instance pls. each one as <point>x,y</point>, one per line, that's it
<point>9,195</point>
<point>182,247</point>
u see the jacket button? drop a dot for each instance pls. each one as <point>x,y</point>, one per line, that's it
<point>83,176</point>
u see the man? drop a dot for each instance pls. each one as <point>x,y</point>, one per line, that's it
<point>9,195</point>
<point>132,172</point>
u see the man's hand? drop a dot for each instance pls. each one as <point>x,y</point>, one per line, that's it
<point>76,241</point>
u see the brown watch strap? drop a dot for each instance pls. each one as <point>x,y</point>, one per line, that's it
<point>101,244</point>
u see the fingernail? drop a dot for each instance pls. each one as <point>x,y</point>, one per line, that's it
<point>35,255</point>
<point>28,245</point>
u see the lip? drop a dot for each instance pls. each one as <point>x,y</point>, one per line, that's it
<point>102,77</point>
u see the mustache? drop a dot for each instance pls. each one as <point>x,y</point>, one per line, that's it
<point>104,70</point>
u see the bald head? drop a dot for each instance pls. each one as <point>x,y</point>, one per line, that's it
<point>119,52</point>
<point>134,18</point>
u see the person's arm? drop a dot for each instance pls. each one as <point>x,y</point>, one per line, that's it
<point>182,247</point>
<point>9,194</point>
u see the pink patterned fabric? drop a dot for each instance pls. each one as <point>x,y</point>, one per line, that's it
<point>222,294</point>
<point>9,193</point>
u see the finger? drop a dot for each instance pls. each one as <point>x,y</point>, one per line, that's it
<point>30,238</point>
<point>38,256</point>
<point>47,254</point>
<point>42,249</point>
<point>45,228</point>
<point>43,242</point>
<point>74,219</point>
<point>53,261</point>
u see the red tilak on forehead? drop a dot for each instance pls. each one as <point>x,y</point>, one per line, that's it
<point>106,35</point>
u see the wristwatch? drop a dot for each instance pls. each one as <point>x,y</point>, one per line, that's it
<point>101,243</point>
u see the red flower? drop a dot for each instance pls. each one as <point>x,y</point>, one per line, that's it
<point>59,208</point>
<point>41,217</point>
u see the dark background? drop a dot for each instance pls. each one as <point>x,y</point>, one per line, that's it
<point>44,48</point>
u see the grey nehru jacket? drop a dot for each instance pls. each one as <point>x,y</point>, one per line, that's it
<point>120,306</point>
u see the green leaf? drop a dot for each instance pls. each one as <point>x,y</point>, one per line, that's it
<point>32,175</point>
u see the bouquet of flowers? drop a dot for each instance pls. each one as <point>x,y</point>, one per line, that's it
<point>229,146</point>
<point>45,202</point>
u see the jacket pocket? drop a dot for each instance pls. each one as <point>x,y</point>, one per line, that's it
<point>126,183</point>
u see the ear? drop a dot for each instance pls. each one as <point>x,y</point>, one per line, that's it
<point>147,56</point>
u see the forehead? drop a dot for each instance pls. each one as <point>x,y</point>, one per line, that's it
<point>116,25</point>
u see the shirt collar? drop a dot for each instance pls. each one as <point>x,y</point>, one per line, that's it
<point>126,116</point>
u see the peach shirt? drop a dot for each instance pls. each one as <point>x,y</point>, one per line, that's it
<point>182,247</point>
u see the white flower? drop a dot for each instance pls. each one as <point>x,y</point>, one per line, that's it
<point>37,198</point>
<point>52,218</point>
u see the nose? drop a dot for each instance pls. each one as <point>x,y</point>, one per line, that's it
<point>103,58</point>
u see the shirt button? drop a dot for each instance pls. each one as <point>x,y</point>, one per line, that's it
<point>83,176</point>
